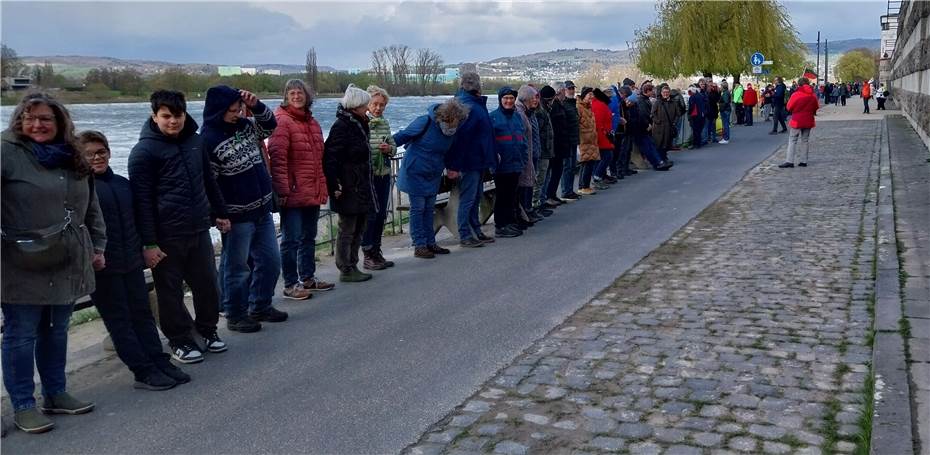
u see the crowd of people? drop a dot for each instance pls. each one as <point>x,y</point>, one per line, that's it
<point>72,227</point>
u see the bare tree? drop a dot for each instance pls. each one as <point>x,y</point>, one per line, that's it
<point>399,60</point>
<point>427,68</point>
<point>312,75</point>
<point>379,68</point>
<point>12,66</point>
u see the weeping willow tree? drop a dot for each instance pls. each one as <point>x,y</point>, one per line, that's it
<point>711,37</point>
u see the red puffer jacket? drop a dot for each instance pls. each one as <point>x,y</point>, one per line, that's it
<point>802,106</point>
<point>603,122</point>
<point>296,151</point>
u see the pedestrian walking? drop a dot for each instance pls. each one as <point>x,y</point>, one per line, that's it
<point>866,95</point>
<point>54,239</point>
<point>382,149</point>
<point>803,106</point>
<point>778,106</point>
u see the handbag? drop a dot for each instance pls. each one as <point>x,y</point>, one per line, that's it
<point>42,249</point>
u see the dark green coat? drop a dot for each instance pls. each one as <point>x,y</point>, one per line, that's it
<point>35,198</point>
<point>546,136</point>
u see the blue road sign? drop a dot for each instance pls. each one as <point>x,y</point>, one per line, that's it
<point>756,59</point>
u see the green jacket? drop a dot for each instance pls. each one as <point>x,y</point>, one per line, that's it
<point>738,95</point>
<point>380,133</point>
<point>546,135</point>
<point>36,199</point>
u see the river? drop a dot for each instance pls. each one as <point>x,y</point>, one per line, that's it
<point>121,122</point>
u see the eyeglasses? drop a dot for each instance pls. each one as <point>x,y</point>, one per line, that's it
<point>32,119</point>
<point>92,155</point>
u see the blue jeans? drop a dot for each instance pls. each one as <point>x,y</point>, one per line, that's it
<point>568,173</point>
<point>725,119</point>
<point>374,228</point>
<point>697,130</point>
<point>298,243</point>
<point>34,335</point>
<point>747,115</point>
<point>421,220</point>
<point>607,159</point>
<point>470,191</point>
<point>244,289</point>
<point>587,170</point>
<point>710,124</point>
<point>648,149</point>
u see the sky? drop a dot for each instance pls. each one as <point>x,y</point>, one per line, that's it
<point>345,32</point>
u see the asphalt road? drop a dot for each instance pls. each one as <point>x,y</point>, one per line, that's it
<point>368,367</point>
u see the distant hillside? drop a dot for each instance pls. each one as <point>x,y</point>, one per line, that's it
<point>843,46</point>
<point>557,64</point>
<point>79,65</point>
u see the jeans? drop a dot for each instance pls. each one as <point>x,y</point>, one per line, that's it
<point>470,192</point>
<point>553,177</point>
<point>568,172</point>
<point>607,158</point>
<point>697,131</point>
<point>747,114</point>
<point>725,119</point>
<point>623,160</point>
<point>374,228</point>
<point>250,290</point>
<point>421,220</point>
<point>542,173</point>
<point>587,171</point>
<point>505,198</point>
<point>34,335</point>
<point>779,119</point>
<point>648,149</point>
<point>794,135</point>
<point>298,243</point>
<point>710,124</point>
<point>123,302</point>
<point>865,102</point>
<point>188,259</point>
<point>349,240</point>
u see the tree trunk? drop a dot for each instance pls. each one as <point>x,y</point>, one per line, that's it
<point>707,75</point>
<point>735,79</point>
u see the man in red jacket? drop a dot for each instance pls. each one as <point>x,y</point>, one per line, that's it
<point>750,99</point>
<point>866,95</point>
<point>802,105</point>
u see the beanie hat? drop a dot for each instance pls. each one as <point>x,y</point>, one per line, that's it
<point>585,91</point>
<point>504,91</point>
<point>547,92</point>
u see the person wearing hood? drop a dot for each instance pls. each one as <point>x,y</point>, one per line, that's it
<point>527,103</point>
<point>176,201</point>
<point>561,142</point>
<point>738,103</point>
<point>547,144</point>
<point>471,155</point>
<point>510,145</point>
<point>588,149</point>
<point>347,165</point>
<point>570,163</point>
<point>121,297</point>
<point>726,108</point>
<point>638,126</point>
<point>803,106</point>
<point>426,142</point>
<point>382,149</point>
<point>750,99</point>
<point>603,122</point>
<point>697,112</point>
<point>295,151</point>
<point>251,260</point>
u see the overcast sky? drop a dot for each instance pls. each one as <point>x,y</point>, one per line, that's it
<point>345,32</point>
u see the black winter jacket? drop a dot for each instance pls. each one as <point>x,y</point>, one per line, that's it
<point>124,246</point>
<point>347,165</point>
<point>558,116</point>
<point>572,121</point>
<point>175,193</point>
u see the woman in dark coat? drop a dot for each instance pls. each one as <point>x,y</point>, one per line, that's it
<point>347,165</point>
<point>53,240</point>
<point>665,112</point>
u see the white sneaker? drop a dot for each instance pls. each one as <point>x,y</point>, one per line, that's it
<point>724,141</point>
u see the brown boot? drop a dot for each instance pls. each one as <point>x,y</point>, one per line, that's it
<point>423,252</point>
<point>372,262</point>
<point>380,257</point>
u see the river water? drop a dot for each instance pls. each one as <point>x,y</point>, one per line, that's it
<point>122,122</point>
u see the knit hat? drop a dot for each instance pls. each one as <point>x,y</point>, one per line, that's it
<point>547,92</point>
<point>585,91</point>
<point>504,91</point>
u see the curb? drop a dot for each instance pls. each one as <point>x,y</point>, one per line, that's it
<point>891,418</point>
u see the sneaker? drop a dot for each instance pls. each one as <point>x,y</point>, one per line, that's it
<point>471,243</point>
<point>354,275</point>
<point>317,285</point>
<point>507,232</point>
<point>154,379</point>
<point>297,292</point>
<point>664,166</point>
<point>436,249</point>
<point>64,403</point>
<point>570,197</point>
<point>271,315</point>
<point>214,343</point>
<point>724,141</point>
<point>186,353</point>
<point>380,256</point>
<point>586,191</point>
<point>173,372</point>
<point>802,164</point>
<point>786,165</point>
<point>32,421</point>
<point>484,238</point>
<point>423,252</point>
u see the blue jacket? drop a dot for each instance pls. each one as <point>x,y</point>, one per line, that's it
<point>236,154</point>
<point>698,100</point>
<point>779,98</point>
<point>615,108</point>
<point>509,141</point>
<point>473,149</point>
<point>421,169</point>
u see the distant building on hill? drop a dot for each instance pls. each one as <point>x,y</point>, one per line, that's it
<point>229,70</point>
<point>249,70</point>
<point>17,83</point>
<point>272,72</point>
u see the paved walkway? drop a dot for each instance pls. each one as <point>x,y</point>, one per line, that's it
<point>747,332</point>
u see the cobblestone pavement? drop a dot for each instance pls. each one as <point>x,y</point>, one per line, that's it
<point>747,332</point>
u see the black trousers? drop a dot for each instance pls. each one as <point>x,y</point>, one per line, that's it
<point>740,114</point>
<point>349,240</point>
<point>881,104</point>
<point>505,198</point>
<point>123,303</point>
<point>622,149</point>
<point>554,177</point>
<point>779,113</point>
<point>189,260</point>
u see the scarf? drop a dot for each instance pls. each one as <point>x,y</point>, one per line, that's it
<point>299,114</point>
<point>53,156</point>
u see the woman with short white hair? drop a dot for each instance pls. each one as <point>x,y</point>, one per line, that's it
<point>347,165</point>
<point>382,149</point>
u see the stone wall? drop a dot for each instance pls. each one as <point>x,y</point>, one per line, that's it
<point>910,68</point>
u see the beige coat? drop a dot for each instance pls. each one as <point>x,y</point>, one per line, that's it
<point>587,133</point>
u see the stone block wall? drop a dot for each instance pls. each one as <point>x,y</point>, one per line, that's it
<point>910,68</point>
